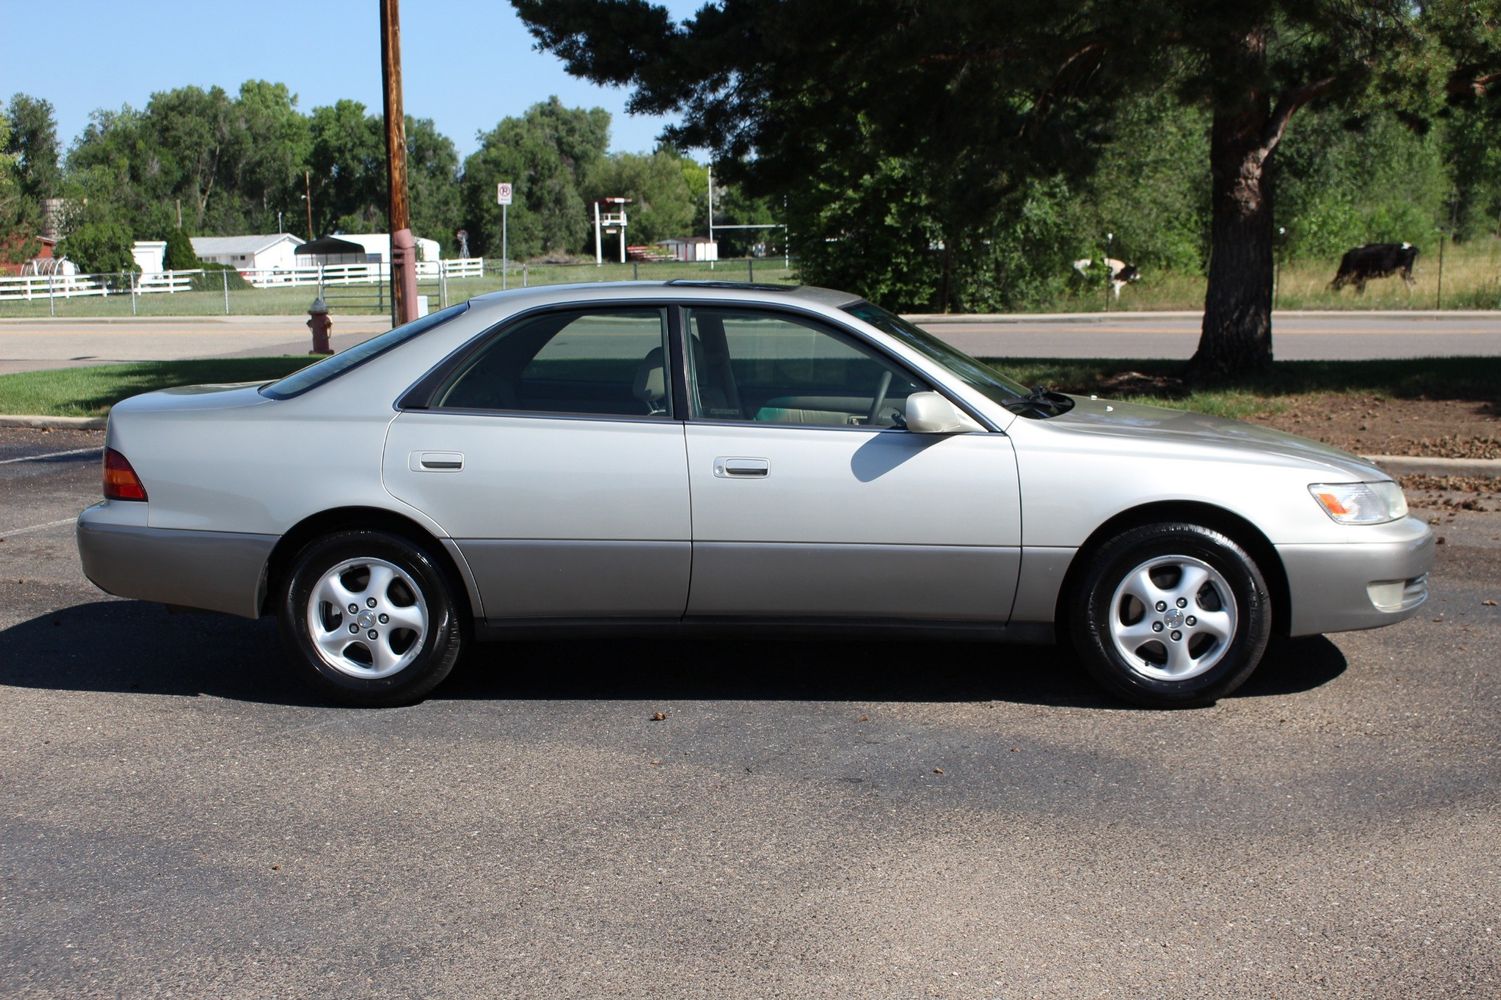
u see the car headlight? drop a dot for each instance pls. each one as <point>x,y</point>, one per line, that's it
<point>1361,503</point>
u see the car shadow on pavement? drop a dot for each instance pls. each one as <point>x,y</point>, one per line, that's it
<point>135,647</point>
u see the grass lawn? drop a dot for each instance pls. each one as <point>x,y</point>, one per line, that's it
<point>90,392</point>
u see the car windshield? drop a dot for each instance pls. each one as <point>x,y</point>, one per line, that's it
<point>335,365</point>
<point>982,378</point>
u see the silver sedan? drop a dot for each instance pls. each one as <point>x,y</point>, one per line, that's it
<point>702,455</point>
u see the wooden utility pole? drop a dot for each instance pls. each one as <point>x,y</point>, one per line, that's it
<point>403,246</point>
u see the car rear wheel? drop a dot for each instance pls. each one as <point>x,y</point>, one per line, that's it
<point>372,617</point>
<point>1171,615</point>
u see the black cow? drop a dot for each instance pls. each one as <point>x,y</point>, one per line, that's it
<point>1374,260</point>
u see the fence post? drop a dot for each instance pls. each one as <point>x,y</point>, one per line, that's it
<point>1439,305</point>
<point>51,299</point>
<point>443,284</point>
<point>320,281</point>
<point>225,275</point>
<point>750,269</point>
<point>635,271</point>
<point>523,274</point>
<point>132,293</point>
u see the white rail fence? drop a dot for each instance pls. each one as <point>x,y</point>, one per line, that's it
<point>171,282</point>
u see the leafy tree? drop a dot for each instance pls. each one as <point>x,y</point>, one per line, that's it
<point>545,154</point>
<point>99,248</point>
<point>348,164</point>
<point>33,144</point>
<point>432,182</point>
<point>270,147</point>
<point>984,98</point>
<point>18,213</point>
<point>180,255</point>
<point>661,199</point>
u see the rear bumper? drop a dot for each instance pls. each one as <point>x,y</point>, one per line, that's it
<point>212,570</point>
<point>1378,580</point>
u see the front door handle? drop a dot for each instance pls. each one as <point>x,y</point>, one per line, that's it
<point>436,461</point>
<point>742,468</point>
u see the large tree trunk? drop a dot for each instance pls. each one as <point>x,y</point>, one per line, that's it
<point>1237,334</point>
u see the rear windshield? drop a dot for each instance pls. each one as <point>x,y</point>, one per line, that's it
<point>335,365</point>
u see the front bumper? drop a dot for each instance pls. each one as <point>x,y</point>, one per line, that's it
<point>1378,579</point>
<point>212,570</point>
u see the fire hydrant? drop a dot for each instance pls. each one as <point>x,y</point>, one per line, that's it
<point>320,324</point>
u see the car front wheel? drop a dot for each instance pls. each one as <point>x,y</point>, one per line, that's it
<point>372,617</point>
<point>1171,615</point>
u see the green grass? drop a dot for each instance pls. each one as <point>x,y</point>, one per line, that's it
<point>90,392</point>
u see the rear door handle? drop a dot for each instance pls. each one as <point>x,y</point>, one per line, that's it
<point>742,468</point>
<point>436,461</point>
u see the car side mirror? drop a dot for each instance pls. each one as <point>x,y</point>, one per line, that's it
<point>930,413</point>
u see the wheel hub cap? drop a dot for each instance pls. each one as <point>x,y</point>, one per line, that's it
<point>367,618</point>
<point>1173,618</point>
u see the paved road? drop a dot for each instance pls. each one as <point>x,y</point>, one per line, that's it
<point>1295,336</point>
<point>32,344</point>
<point>177,816</point>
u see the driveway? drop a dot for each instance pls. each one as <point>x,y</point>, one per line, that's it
<point>839,819</point>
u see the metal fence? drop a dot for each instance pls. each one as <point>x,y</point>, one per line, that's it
<point>346,288</point>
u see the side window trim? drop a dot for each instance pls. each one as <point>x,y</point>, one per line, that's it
<point>423,394</point>
<point>814,321</point>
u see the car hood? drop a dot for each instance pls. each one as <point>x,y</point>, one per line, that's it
<point>1155,425</point>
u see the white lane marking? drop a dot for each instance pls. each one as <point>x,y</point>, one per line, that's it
<point>37,527</point>
<point>50,454</point>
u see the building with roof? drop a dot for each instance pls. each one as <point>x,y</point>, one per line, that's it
<point>378,246</point>
<point>691,248</point>
<point>274,251</point>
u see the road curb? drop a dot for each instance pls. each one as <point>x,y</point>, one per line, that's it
<point>1410,465</point>
<point>53,423</point>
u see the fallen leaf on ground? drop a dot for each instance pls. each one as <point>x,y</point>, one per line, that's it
<point>659,716</point>
<point>937,770</point>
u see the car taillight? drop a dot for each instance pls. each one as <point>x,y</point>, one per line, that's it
<point>120,480</point>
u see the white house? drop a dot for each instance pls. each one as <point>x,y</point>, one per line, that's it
<point>378,246</point>
<point>249,253</point>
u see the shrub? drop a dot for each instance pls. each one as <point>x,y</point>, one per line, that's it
<point>213,277</point>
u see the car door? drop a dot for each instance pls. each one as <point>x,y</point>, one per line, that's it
<point>810,499</point>
<point>552,457</point>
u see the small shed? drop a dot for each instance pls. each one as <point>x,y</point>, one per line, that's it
<point>692,248</point>
<point>332,250</point>
<point>149,255</point>
<point>273,251</point>
<point>378,246</point>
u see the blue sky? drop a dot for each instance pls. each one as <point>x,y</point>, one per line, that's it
<point>466,64</point>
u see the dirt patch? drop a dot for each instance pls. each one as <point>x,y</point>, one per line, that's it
<point>1374,425</point>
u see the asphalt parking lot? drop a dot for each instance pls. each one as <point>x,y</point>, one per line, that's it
<point>178,816</point>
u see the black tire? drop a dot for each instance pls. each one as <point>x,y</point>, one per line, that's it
<point>381,662</point>
<point>1136,657</point>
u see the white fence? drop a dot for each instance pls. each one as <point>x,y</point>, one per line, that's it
<point>171,282</point>
<point>362,274</point>
<point>67,286</point>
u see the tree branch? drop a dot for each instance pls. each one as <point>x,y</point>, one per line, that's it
<point>1287,105</point>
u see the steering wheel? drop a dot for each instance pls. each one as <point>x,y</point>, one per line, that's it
<point>881,389</point>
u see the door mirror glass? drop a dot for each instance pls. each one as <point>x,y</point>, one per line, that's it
<point>930,413</point>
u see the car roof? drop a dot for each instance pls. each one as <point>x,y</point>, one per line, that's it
<point>676,289</point>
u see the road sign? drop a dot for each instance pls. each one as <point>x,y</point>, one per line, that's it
<point>502,194</point>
